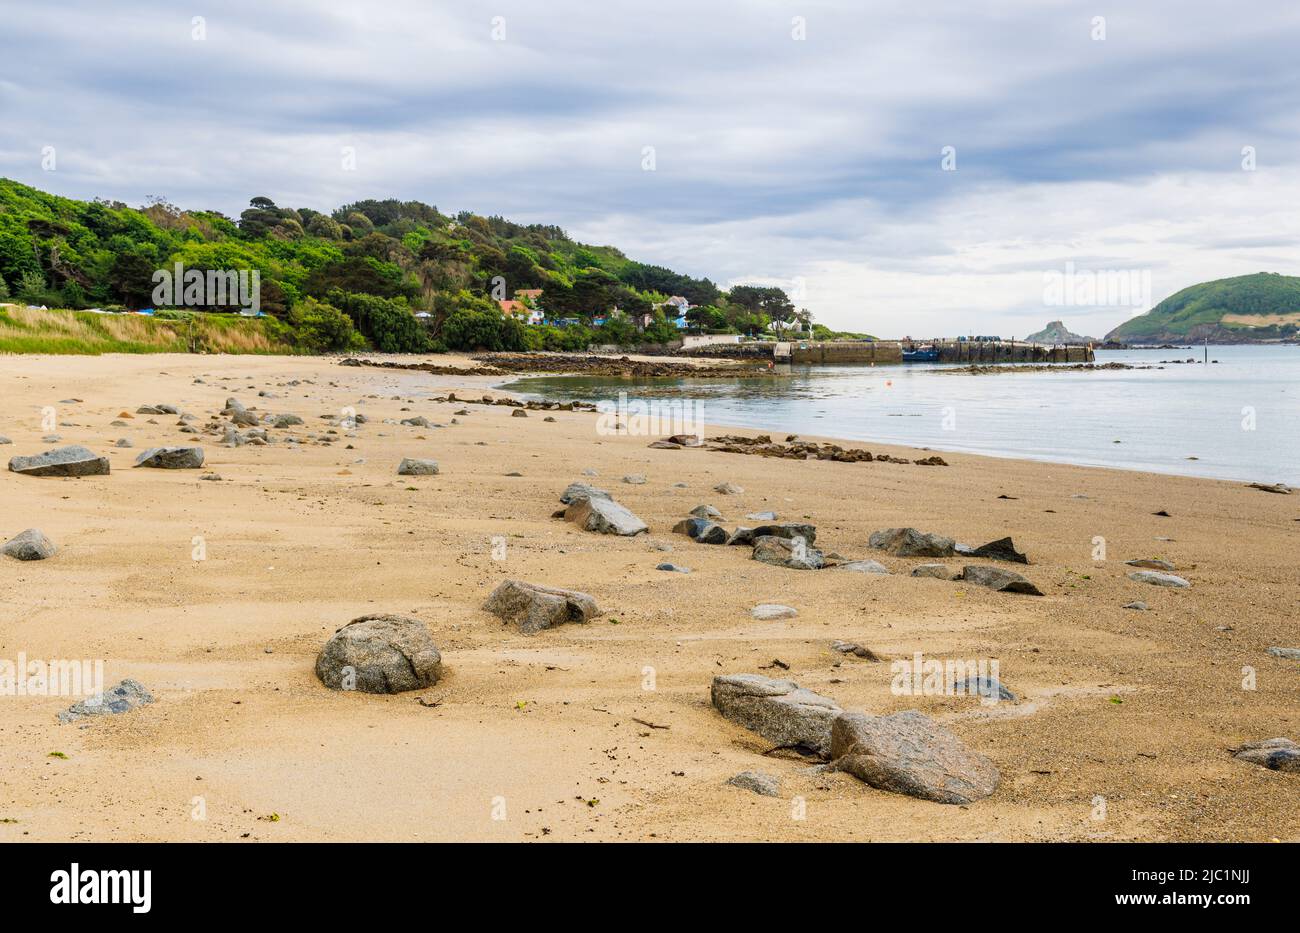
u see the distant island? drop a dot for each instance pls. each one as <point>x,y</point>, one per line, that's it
<point>1057,333</point>
<point>1259,308</point>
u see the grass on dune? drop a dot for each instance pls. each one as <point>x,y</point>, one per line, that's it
<point>25,330</point>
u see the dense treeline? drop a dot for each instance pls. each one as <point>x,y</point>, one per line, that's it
<point>359,275</point>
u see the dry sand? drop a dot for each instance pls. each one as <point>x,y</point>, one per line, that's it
<point>1136,708</point>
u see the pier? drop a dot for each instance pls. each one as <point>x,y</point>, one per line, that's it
<point>817,352</point>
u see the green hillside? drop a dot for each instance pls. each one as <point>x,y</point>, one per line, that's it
<point>358,276</point>
<point>1247,309</point>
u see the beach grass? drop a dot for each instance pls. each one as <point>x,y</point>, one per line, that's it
<point>29,330</point>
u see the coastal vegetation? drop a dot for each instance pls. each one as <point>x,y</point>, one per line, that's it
<point>30,330</point>
<point>395,276</point>
<point>1262,307</point>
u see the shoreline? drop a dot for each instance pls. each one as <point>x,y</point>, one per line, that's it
<point>302,538</point>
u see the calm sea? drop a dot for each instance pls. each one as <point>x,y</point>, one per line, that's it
<point>1238,419</point>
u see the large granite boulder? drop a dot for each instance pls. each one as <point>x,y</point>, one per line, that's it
<point>171,458</point>
<point>908,542</point>
<point>534,607</point>
<point>604,516</point>
<point>73,460</point>
<point>995,578</point>
<point>908,753</point>
<point>30,545</point>
<point>380,654</point>
<point>785,552</point>
<point>779,710</point>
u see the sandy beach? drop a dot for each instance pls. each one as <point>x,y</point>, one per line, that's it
<point>1123,728</point>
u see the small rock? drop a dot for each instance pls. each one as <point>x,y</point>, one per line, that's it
<point>988,688</point>
<point>1159,579</point>
<point>686,440</point>
<point>1001,549</point>
<point>863,566</point>
<point>728,489</point>
<point>783,552</point>
<point>1152,564</point>
<point>908,542</point>
<point>519,413</point>
<point>533,607</point>
<point>673,568</point>
<point>761,516</point>
<point>1136,604</point>
<point>938,571</point>
<point>171,458</point>
<point>62,461</point>
<point>582,491</point>
<point>414,466</point>
<point>1275,754</point>
<point>119,698</point>
<point>124,442</point>
<point>853,648</point>
<point>604,516</point>
<point>995,578</point>
<point>773,611</point>
<point>766,784</point>
<point>635,479</point>
<point>706,511</point>
<point>1288,654</point>
<point>701,530</point>
<point>29,545</point>
<point>791,530</point>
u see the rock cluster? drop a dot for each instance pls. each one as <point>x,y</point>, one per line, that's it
<point>905,753</point>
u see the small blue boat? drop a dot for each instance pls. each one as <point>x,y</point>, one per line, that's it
<point>928,354</point>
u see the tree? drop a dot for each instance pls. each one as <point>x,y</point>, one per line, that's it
<point>467,329</point>
<point>320,327</point>
<point>131,280</point>
<point>773,302</point>
<point>388,325</point>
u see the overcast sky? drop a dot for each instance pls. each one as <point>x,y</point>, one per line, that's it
<point>814,162</point>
